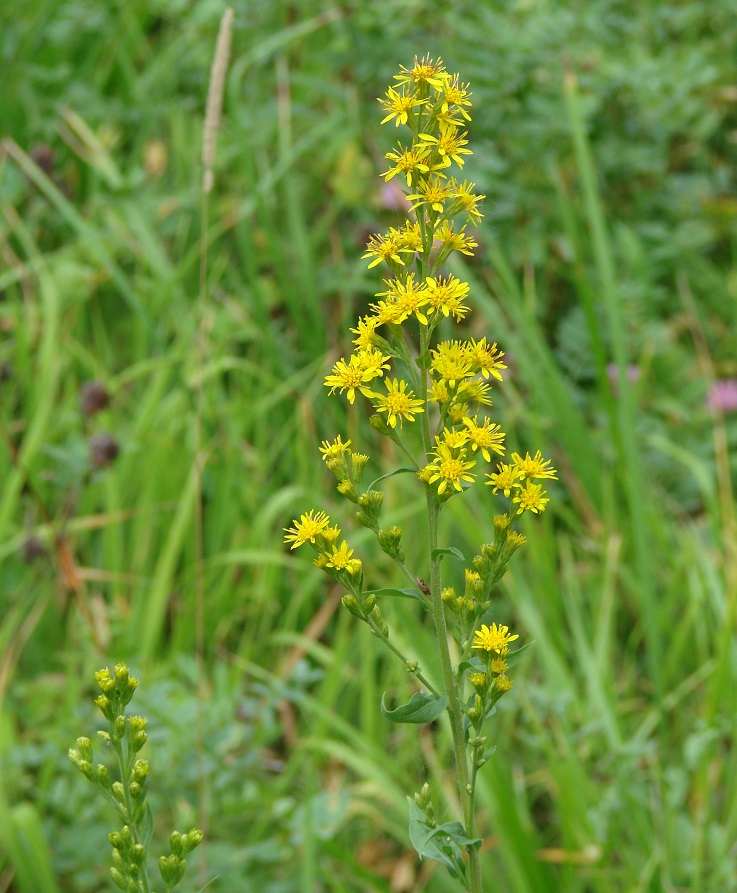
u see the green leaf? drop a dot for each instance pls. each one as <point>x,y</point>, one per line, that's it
<point>450,550</point>
<point>473,664</point>
<point>403,470</point>
<point>421,708</point>
<point>444,843</point>
<point>398,593</point>
<point>515,657</point>
<point>424,360</point>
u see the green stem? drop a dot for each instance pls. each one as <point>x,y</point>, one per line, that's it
<point>124,765</point>
<point>474,856</point>
<point>393,648</point>
<point>455,712</point>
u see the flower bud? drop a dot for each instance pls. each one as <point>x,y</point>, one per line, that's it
<point>138,854</point>
<point>118,879</point>
<point>103,776</point>
<point>350,602</point>
<point>379,424</point>
<point>192,839</point>
<point>172,869</point>
<point>176,842</point>
<point>135,789</point>
<point>85,749</point>
<point>118,791</point>
<point>116,840</point>
<point>119,727</point>
<point>389,541</point>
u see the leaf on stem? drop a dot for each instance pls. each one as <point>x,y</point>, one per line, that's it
<point>421,708</point>
<point>449,550</point>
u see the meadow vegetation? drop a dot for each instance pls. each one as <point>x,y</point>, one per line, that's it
<point>605,140</point>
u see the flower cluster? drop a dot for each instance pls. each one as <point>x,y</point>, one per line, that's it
<point>432,396</point>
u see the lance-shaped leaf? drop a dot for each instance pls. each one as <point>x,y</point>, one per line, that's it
<point>421,708</point>
<point>397,593</point>
<point>405,469</point>
<point>449,550</point>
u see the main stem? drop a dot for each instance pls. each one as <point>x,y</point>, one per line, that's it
<point>455,713</point>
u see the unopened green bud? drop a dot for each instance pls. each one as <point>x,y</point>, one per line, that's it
<point>389,540</point>
<point>350,602</point>
<point>411,665</point>
<point>85,749</point>
<point>348,489</point>
<point>138,740</point>
<point>379,621</point>
<point>121,675</point>
<point>103,776</point>
<point>135,789</point>
<point>120,882</point>
<point>125,833</point>
<point>105,706</point>
<point>369,604</point>
<point>140,770</point>
<point>138,854</point>
<point>176,843</point>
<point>116,840</point>
<point>119,727</point>
<point>172,869</point>
<point>119,860</point>
<point>424,796</point>
<point>192,839</point>
<point>379,424</point>
<point>118,791</point>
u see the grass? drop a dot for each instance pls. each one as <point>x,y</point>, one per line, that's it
<point>604,138</point>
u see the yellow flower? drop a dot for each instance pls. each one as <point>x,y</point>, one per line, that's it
<point>451,362</point>
<point>498,665</point>
<point>306,529</point>
<point>407,162</point>
<point>405,298</point>
<point>457,94</point>
<point>486,359</point>
<point>386,248</point>
<point>478,391</point>
<point>432,192</point>
<point>449,146</point>
<point>531,498</point>
<point>455,241</point>
<point>535,467</point>
<point>399,404</point>
<point>494,638</point>
<point>335,449</point>
<point>466,200</point>
<point>504,479</point>
<point>363,366</point>
<point>452,439</point>
<point>365,332</point>
<point>340,559</point>
<point>399,105</point>
<point>424,71</point>
<point>485,437</point>
<point>449,469</point>
<point>447,296</point>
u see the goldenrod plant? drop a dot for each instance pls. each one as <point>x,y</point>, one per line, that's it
<point>432,399</point>
<point>126,736</point>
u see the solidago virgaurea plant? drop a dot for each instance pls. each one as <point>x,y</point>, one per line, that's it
<point>125,736</point>
<point>433,399</point>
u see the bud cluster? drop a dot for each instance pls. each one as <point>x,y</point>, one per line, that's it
<point>126,736</point>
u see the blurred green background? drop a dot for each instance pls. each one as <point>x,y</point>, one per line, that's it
<point>605,137</point>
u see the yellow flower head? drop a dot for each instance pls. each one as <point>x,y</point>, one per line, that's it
<point>398,403</point>
<point>486,437</point>
<point>493,638</point>
<point>408,162</point>
<point>505,478</point>
<point>340,560</point>
<point>531,498</point>
<point>306,529</point>
<point>446,296</point>
<point>335,449</point>
<point>399,105</point>
<point>535,467</point>
<point>447,468</point>
<point>425,72</point>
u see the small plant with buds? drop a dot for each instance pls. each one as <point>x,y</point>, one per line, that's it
<point>431,398</point>
<point>126,736</point>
